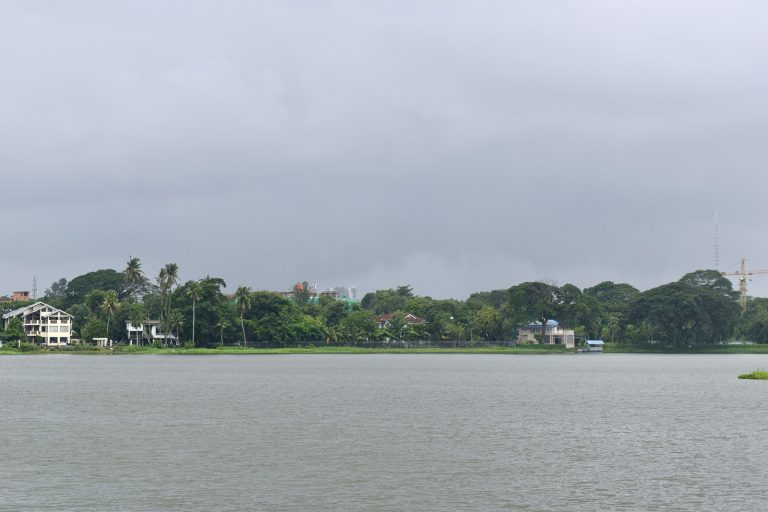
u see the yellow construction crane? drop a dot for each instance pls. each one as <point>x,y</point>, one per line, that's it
<point>743,273</point>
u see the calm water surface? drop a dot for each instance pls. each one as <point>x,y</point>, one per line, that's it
<point>383,433</point>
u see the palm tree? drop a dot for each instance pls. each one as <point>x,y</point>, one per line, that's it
<point>243,298</point>
<point>172,274</point>
<point>223,324</point>
<point>176,322</point>
<point>109,306</point>
<point>166,279</point>
<point>133,275</point>
<point>162,282</point>
<point>194,292</point>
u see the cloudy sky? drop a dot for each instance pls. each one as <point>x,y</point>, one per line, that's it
<point>454,146</point>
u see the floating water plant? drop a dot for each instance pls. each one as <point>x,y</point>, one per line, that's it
<point>756,375</point>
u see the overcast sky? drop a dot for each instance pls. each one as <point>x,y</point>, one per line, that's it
<point>451,145</point>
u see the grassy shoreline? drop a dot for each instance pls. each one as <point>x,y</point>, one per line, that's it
<point>298,350</point>
<point>520,349</point>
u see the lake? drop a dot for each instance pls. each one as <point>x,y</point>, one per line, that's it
<point>383,432</point>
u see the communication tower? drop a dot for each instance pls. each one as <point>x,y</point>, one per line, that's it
<point>717,245</point>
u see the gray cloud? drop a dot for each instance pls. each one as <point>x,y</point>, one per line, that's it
<point>452,146</point>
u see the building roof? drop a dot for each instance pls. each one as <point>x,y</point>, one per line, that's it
<point>32,308</point>
<point>550,323</point>
<point>409,317</point>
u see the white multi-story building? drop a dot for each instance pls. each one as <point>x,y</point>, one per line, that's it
<point>147,332</point>
<point>43,324</point>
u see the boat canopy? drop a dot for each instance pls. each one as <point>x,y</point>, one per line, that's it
<point>595,342</point>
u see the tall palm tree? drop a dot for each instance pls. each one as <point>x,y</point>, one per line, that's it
<point>194,292</point>
<point>223,324</point>
<point>162,283</point>
<point>243,298</point>
<point>166,279</point>
<point>133,276</point>
<point>109,306</point>
<point>175,323</point>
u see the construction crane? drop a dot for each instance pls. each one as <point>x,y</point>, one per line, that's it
<point>743,273</point>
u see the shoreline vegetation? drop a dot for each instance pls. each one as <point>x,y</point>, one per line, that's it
<point>756,375</point>
<point>699,313</point>
<point>337,349</point>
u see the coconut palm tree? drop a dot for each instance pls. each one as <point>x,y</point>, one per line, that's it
<point>243,298</point>
<point>176,322</point>
<point>133,276</point>
<point>162,283</point>
<point>194,292</point>
<point>223,324</point>
<point>167,279</point>
<point>109,306</point>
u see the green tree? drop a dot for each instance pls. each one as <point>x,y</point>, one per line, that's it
<point>488,322</point>
<point>358,326</point>
<point>243,300</point>
<point>14,331</point>
<point>753,323</point>
<point>167,278</point>
<point>534,301</point>
<point>133,277</point>
<point>175,323</point>
<point>94,328</point>
<point>386,301</point>
<point>103,280</point>
<point>136,317</point>
<point>194,292</point>
<point>684,313</point>
<point>222,325</point>
<point>93,301</point>
<point>334,312</point>
<point>57,293</point>
<point>397,326</point>
<point>404,290</point>
<point>110,305</point>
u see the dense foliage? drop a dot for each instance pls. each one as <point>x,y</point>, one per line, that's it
<point>700,308</point>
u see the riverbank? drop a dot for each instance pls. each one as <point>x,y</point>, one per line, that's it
<point>329,349</point>
<point>322,349</point>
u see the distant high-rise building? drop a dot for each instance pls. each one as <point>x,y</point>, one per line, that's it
<point>340,291</point>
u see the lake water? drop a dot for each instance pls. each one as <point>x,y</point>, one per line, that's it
<point>409,432</point>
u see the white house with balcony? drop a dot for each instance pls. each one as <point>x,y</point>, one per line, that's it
<point>44,324</point>
<point>553,334</point>
<point>148,332</point>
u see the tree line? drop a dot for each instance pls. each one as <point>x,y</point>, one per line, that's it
<point>700,308</point>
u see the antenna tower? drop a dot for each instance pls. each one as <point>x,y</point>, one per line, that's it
<point>717,245</point>
<point>34,287</point>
